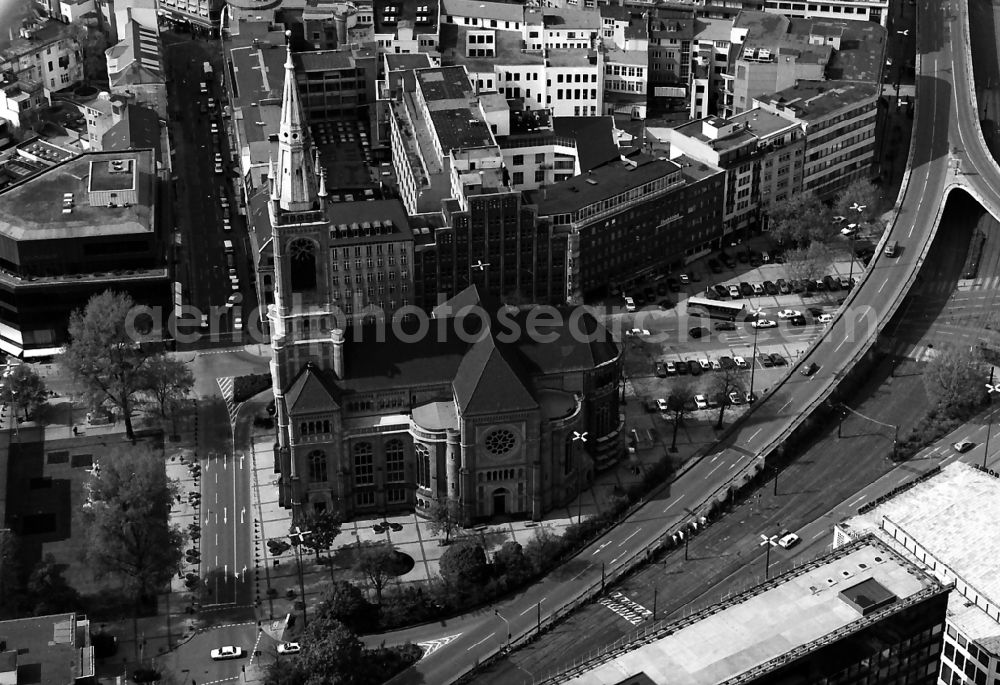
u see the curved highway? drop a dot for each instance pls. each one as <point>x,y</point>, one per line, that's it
<point>948,153</point>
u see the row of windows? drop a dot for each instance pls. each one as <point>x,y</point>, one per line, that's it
<point>360,278</point>
<point>617,70</point>
<point>314,427</point>
<point>500,474</point>
<point>345,252</point>
<point>349,294</point>
<point>519,159</point>
<point>369,262</point>
<point>517,178</point>
<point>801,7</point>
<point>578,93</point>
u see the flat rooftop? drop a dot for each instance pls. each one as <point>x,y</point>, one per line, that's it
<point>693,129</point>
<point>814,100</point>
<point>846,589</point>
<point>367,221</point>
<point>600,183</point>
<point>33,210</point>
<point>763,123</point>
<point>953,516</point>
<point>501,11</point>
<point>508,50</point>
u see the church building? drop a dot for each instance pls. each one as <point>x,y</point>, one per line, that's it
<point>393,413</point>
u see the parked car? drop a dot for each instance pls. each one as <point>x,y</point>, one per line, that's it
<point>705,364</point>
<point>765,360</point>
<point>661,369</point>
<point>783,287</point>
<point>629,304</point>
<point>289,648</point>
<point>824,318</point>
<point>662,405</point>
<point>685,279</point>
<point>700,402</point>
<point>750,397</point>
<point>820,285</point>
<point>798,286</point>
<point>666,303</point>
<point>714,266</point>
<point>789,313</point>
<point>694,368</point>
<point>734,292</point>
<point>777,359</point>
<point>673,285</point>
<point>770,288</point>
<point>682,368</point>
<point>746,289</point>
<point>727,362</point>
<point>721,290</point>
<point>671,368</point>
<point>758,289</point>
<point>743,256</point>
<point>846,283</point>
<point>809,369</point>
<point>832,284</point>
<point>727,260</point>
<point>735,398</point>
<point>740,362</point>
<point>797,320</point>
<point>755,259</point>
<point>725,326</point>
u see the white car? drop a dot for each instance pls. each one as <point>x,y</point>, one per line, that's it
<point>701,402</point>
<point>238,323</point>
<point>638,331</point>
<point>764,323</point>
<point>735,398</point>
<point>629,304</point>
<point>963,446</point>
<point>229,652</point>
<point>824,318</point>
<point>289,648</point>
<point>215,127</point>
<point>734,292</point>
<point>789,313</point>
<point>662,405</point>
<point>233,300</point>
<point>789,541</point>
<point>218,158</point>
<point>716,366</point>
<point>218,168</point>
<point>705,364</point>
<point>741,363</point>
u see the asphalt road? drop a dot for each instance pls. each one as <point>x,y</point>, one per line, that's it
<point>202,265</point>
<point>947,123</point>
<point>827,482</point>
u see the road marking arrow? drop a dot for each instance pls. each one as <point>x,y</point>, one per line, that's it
<point>241,460</point>
<point>225,514</point>
<point>600,548</point>
<point>432,646</point>
<point>243,512</point>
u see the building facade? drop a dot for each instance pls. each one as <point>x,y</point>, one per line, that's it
<point>45,52</point>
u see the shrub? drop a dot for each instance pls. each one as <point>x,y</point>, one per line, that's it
<point>345,602</point>
<point>245,387</point>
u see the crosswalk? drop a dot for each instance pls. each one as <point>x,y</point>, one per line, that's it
<point>631,611</point>
<point>228,388</point>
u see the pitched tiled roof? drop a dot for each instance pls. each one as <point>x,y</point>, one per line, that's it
<point>311,391</point>
<point>489,380</point>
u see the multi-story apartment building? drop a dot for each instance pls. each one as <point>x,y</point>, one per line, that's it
<point>395,27</point>
<point>19,99</point>
<point>539,158</point>
<point>626,83</point>
<point>628,218</point>
<point>762,155</point>
<point>773,52</point>
<point>337,84</point>
<point>838,118</point>
<point>860,10</point>
<point>200,15</point>
<point>135,68</point>
<point>710,54</point>
<point>45,52</point>
<point>945,525</point>
<point>671,39</point>
<point>863,613</point>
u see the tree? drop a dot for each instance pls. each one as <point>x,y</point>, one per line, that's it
<point>345,602</point>
<point>680,398</point>
<point>323,527</point>
<point>93,43</point>
<point>808,263</point>
<point>862,192</point>
<point>127,525</point>
<point>48,590</point>
<point>284,672</point>
<point>23,388</point>
<point>167,380</point>
<point>509,562</point>
<point>331,654</point>
<point>463,565</point>
<point>543,549</point>
<point>105,358</point>
<point>955,380</point>
<point>445,516</point>
<point>726,381</point>
<point>800,219</point>
<point>376,562</point>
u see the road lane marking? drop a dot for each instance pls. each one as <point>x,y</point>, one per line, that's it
<point>883,284</point>
<point>615,560</point>
<point>585,569</point>
<point>603,545</point>
<point>709,475</point>
<point>851,504</point>
<point>819,534</point>
<point>782,408</point>
<point>481,641</point>
<point>533,608</point>
<point>431,646</point>
<point>755,434</point>
<point>629,537</point>
<point>670,505</point>
<point>837,348</point>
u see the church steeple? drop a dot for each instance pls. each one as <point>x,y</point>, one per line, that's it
<point>294,184</point>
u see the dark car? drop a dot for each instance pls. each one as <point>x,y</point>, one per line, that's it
<point>698,332</point>
<point>694,368</point>
<point>832,284</point>
<point>674,285</point>
<point>798,286</point>
<point>777,359</point>
<point>661,288</point>
<point>666,303</point>
<point>727,363</point>
<point>809,369</point>
<point>746,289</point>
<point>811,285</point>
<point>797,320</point>
<point>714,266</point>
<point>727,260</point>
<point>650,406</point>
<point>725,326</point>
<point>722,291</point>
<point>770,288</point>
<point>661,369</point>
<point>765,360</point>
<point>755,258</point>
<point>783,287</point>
<point>682,368</point>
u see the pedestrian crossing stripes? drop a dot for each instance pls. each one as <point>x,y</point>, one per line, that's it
<point>633,612</point>
<point>228,388</point>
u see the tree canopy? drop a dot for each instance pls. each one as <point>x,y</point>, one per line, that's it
<point>323,527</point>
<point>808,263</point>
<point>167,381</point>
<point>127,523</point>
<point>860,193</point>
<point>23,388</point>
<point>376,563</point>
<point>955,380</point>
<point>463,565</point>
<point>444,516</point>
<point>800,219</point>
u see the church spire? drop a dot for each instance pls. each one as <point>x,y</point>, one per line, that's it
<point>294,187</point>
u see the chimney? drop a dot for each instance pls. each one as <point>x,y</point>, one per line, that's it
<point>337,337</point>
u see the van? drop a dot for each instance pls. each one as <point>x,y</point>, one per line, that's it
<point>228,246</point>
<point>766,257</point>
<point>891,248</point>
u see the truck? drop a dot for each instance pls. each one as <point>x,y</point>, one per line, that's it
<point>208,71</point>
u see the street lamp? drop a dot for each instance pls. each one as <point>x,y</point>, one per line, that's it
<point>504,619</point>
<point>581,438</point>
<point>767,542</point>
<point>297,538</point>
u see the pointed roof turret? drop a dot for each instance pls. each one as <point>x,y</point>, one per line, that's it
<point>294,186</point>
